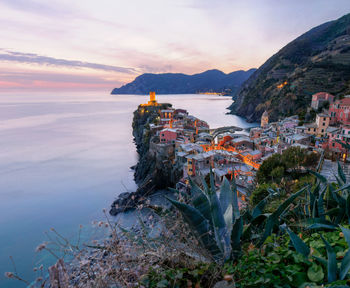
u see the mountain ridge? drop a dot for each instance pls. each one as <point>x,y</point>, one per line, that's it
<point>318,60</point>
<point>179,83</point>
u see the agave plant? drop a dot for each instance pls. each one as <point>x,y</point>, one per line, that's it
<point>333,272</point>
<point>327,210</point>
<point>217,221</point>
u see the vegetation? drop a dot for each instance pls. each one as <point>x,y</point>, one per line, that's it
<point>260,192</point>
<point>316,61</point>
<point>289,165</point>
<point>299,243</point>
<point>298,237</point>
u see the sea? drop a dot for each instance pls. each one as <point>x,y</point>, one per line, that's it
<point>64,157</point>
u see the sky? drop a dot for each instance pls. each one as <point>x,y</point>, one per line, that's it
<point>99,45</point>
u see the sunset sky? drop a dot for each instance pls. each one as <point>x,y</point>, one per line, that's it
<point>90,44</point>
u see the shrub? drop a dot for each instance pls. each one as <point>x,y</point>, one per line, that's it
<point>260,192</point>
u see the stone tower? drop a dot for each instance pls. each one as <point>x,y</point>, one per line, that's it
<point>152,99</point>
<point>264,119</point>
<point>152,96</point>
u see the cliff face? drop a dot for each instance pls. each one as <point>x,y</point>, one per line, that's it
<point>318,60</point>
<point>154,169</point>
<point>176,83</point>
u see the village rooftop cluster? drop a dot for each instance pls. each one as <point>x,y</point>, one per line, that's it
<point>229,152</point>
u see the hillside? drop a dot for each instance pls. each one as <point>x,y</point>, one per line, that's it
<point>318,60</point>
<point>176,83</point>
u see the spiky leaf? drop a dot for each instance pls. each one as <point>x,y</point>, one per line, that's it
<point>298,244</point>
<point>235,199</point>
<point>226,202</point>
<point>341,173</point>
<point>345,266</point>
<point>200,226</point>
<point>219,225</point>
<point>319,176</point>
<point>331,263</point>
<point>273,218</point>
<point>259,208</point>
<point>236,234</point>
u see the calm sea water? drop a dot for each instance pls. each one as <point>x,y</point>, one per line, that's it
<point>66,156</point>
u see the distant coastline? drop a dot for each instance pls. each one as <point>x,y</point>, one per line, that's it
<point>211,81</point>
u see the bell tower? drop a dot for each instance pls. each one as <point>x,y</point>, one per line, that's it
<point>264,119</point>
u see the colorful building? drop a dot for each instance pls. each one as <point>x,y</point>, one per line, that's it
<point>167,136</point>
<point>322,122</point>
<point>319,98</point>
<point>340,111</point>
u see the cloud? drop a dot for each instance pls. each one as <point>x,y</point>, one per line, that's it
<point>34,80</point>
<point>31,58</point>
<point>38,8</point>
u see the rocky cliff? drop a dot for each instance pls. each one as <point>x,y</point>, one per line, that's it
<point>155,168</point>
<point>318,60</point>
<point>176,83</point>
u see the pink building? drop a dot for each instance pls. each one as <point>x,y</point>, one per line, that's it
<point>331,146</point>
<point>319,98</point>
<point>167,136</point>
<point>340,111</point>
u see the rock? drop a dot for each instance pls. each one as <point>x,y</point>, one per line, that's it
<point>225,284</point>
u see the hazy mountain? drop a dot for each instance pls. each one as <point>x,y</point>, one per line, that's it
<point>318,60</point>
<point>177,83</point>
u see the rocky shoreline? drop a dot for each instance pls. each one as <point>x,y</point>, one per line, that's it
<point>155,170</point>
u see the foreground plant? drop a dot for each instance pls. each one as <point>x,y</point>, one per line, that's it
<point>217,221</point>
<point>336,270</point>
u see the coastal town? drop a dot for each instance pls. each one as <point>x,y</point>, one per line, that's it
<point>232,152</point>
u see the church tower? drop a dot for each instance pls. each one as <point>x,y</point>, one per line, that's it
<point>264,119</point>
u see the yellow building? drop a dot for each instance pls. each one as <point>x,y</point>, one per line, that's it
<point>264,119</point>
<point>322,122</point>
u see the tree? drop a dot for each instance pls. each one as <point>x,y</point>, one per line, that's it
<point>277,174</point>
<point>293,157</point>
<point>264,173</point>
<point>259,193</point>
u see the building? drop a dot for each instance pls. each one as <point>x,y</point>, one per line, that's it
<point>297,139</point>
<point>152,100</point>
<point>340,111</point>
<point>264,119</point>
<point>255,132</point>
<point>167,136</point>
<point>320,98</point>
<point>254,155</point>
<point>166,117</point>
<point>322,122</point>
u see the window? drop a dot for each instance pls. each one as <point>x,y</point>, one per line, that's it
<point>324,124</point>
<point>322,130</point>
<point>191,169</point>
<point>162,134</point>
